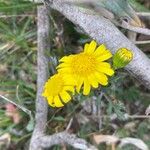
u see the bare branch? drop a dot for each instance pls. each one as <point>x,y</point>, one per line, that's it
<point>142,42</point>
<point>64,137</point>
<point>17,105</point>
<point>134,141</point>
<point>144,14</point>
<point>42,61</point>
<point>104,31</point>
<point>22,15</point>
<point>136,29</point>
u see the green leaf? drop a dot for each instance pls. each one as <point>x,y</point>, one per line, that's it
<point>30,125</point>
<point>59,118</point>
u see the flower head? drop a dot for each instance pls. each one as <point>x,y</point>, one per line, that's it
<point>56,90</point>
<point>87,68</point>
<point>122,57</point>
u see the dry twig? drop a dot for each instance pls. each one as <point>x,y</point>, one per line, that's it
<point>136,29</point>
<point>144,14</point>
<point>64,137</point>
<point>41,104</point>
<point>142,42</point>
<point>17,105</point>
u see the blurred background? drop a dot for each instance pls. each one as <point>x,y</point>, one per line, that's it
<point>121,105</point>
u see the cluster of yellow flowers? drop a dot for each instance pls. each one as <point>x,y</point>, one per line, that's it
<point>79,73</point>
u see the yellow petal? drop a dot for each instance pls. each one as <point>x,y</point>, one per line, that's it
<point>50,101</point>
<point>46,84</point>
<point>86,47</point>
<point>69,80</point>
<point>79,84</point>
<point>62,65</point>
<point>86,88</point>
<point>104,57</point>
<point>57,102</point>
<point>104,64</point>
<point>107,71</point>
<point>93,81</point>
<point>63,59</point>
<point>70,88</point>
<point>91,48</point>
<point>64,70</point>
<point>66,58</point>
<point>100,50</point>
<point>65,97</point>
<point>44,94</point>
<point>102,79</point>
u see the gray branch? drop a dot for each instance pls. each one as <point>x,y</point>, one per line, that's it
<point>136,29</point>
<point>42,75</point>
<point>103,31</point>
<point>65,138</point>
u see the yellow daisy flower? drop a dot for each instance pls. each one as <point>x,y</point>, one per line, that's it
<point>56,90</point>
<point>87,68</point>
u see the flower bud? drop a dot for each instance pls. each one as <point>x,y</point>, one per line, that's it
<point>122,57</point>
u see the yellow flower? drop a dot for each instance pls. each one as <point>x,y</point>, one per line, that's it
<point>57,90</point>
<point>87,68</point>
<point>122,57</point>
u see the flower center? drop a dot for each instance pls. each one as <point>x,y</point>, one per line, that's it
<point>83,64</point>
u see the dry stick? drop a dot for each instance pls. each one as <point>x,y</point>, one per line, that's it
<point>42,62</point>
<point>17,105</point>
<point>104,31</point>
<point>136,29</point>
<point>23,15</point>
<point>64,137</point>
<point>144,14</point>
<point>142,42</point>
<point>132,36</point>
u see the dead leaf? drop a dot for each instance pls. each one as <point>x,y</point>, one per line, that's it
<point>134,141</point>
<point>109,139</point>
<point>147,112</point>
<point>131,126</point>
<point>112,140</point>
<point>3,69</point>
<point>5,139</point>
<point>12,112</point>
<point>82,119</point>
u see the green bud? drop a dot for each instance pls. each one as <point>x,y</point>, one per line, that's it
<point>122,57</point>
